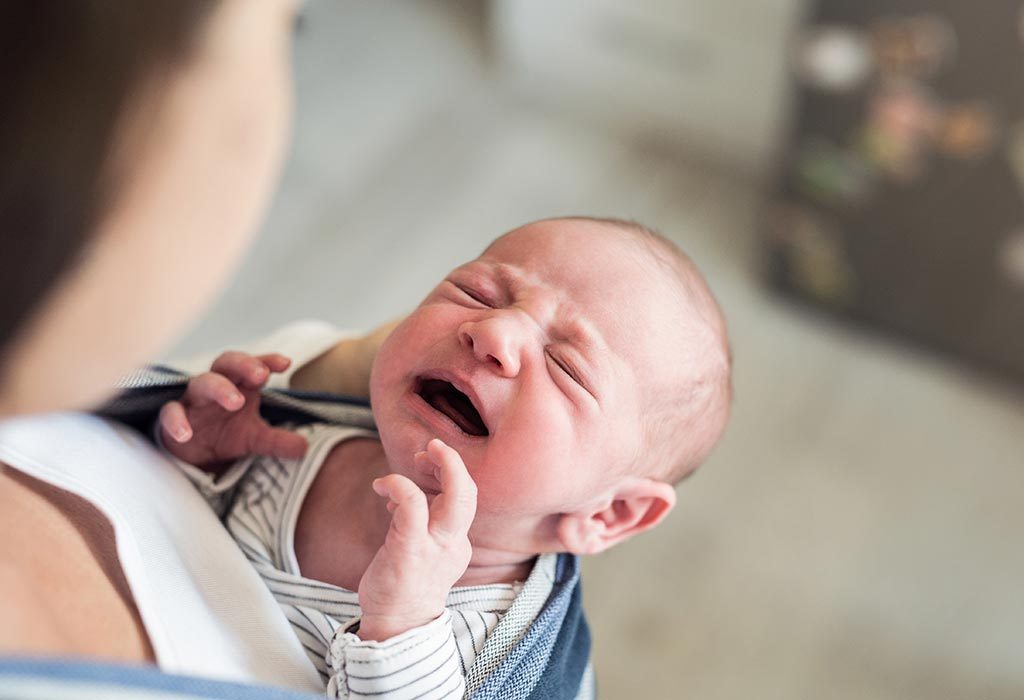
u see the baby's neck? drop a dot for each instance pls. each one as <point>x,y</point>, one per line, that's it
<point>342,524</point>
<point>490,566</point>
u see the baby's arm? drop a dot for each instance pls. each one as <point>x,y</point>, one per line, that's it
<point>404,645</point>
<point>217,420</point>
<point>345,367</point>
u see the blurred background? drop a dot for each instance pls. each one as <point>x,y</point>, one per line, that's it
<point>846,176</point>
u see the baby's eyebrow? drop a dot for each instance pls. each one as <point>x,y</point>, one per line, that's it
<point>506,274</point>
<point>579,332</point>
<point>508,277</point>
<point>488,265</point>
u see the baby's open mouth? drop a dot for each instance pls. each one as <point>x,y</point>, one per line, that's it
<point>444,398</point>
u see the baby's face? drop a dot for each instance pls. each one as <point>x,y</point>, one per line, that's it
<point>531,361</point>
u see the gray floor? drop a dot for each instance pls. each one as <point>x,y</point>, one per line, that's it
<point>857,534</point>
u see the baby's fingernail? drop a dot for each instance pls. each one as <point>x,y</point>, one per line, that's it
<point>181,434</point>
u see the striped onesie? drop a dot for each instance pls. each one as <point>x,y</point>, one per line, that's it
<point>259,499</point>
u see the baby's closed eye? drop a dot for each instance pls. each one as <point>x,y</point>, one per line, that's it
<point>474,295</point>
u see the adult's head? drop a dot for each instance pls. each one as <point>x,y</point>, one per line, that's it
<point>139,144</point>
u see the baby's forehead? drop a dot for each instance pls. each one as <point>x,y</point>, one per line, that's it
<point>581,256</point>
<point>564,239</point>
<point>605,283</point>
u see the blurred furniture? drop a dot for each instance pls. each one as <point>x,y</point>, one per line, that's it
<point>900,200</point>
<point>703,76</point>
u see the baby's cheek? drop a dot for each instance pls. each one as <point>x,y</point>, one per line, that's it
<point>513,489</point>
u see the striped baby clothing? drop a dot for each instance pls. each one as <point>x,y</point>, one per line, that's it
<point>259,499</point>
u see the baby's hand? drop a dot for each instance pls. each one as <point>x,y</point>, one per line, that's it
<point>426,549</point>
<point>218,419</point>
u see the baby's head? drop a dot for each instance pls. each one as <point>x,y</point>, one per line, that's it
<point>580,367</point>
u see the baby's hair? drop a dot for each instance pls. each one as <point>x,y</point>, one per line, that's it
<point>684,427</point>
<point>682,423</point>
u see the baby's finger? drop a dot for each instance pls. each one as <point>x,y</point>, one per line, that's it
<point>174,421</point>
<point>423,463</point>
<point>278,442</point>
<point>453,510</point>
<point>242,368</point>
<point>410,514</point>
<point>215,388</point>
<point>275,361</point>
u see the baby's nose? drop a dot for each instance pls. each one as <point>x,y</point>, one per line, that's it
<point>494,343</point>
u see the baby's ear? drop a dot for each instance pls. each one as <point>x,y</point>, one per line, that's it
<point>638,504</point>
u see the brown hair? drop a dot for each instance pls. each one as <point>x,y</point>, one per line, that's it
<point>68,71</point>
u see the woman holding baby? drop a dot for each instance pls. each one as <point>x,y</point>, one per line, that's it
<point>140,144</point>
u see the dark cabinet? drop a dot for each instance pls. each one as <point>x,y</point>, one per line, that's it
<point>900,198</point>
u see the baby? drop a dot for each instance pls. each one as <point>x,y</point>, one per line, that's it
<point>543,398</point>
